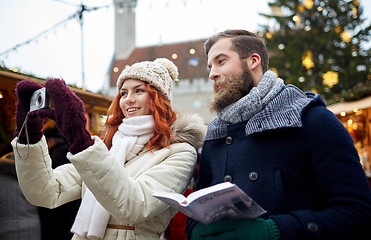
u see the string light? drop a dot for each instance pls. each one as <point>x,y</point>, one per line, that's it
<point>354,11</point>
<point>301,8</point>
<point>330,78</point>
<point>346,36</point>
<point>308,4</point>
<point>296,19</point>
<point>51,29</point>
<point>307,60</point>
<point>127,6</point>
<point>35,38</point>
<point>337,29</point>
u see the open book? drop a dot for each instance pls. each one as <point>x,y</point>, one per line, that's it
<point>222,201</point>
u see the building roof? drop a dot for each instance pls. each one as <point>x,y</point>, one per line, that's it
<point>188,64</point>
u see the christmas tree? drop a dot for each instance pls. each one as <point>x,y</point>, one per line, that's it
<point>320,46</point>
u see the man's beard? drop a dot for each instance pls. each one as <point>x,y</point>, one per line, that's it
<point>233,88</point>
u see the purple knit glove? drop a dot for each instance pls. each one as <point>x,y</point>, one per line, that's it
<point>69,115</point>
<point>24,91</point>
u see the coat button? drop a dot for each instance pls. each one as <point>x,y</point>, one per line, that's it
<point>228,140</point>
<point>228,178</point>
<point>253,176</point>
<point>313,227</point>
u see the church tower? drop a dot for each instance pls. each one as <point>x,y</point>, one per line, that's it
<point>124,28</point>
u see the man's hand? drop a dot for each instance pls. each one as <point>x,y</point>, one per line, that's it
<point>244,229</point>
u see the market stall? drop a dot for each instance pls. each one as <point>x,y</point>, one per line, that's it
<point>356,117</point>
<point>96,106</point>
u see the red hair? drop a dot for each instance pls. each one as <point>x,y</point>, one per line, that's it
<point>163,116</point>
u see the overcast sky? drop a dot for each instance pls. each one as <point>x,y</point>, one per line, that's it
<point>58,52</point>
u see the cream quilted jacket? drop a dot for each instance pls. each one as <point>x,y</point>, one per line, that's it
<point>125,191</point>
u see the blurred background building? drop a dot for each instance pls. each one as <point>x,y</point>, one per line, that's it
<point>193,90</point>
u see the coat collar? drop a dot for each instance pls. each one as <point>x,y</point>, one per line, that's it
<point>189,128</point>
<point>285,110</point>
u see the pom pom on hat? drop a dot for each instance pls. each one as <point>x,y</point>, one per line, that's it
<point>170,66</point>
<point>160,73</point>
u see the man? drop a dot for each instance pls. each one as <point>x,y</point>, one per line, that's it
<point>282,147</point>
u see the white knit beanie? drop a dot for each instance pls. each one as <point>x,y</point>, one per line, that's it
<point>160,73</point>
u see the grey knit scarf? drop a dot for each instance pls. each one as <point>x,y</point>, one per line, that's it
<point>247,106</point>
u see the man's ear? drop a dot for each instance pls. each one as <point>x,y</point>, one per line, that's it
<point>255,61</point>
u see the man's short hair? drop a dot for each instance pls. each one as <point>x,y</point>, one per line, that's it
<point>244,43</point>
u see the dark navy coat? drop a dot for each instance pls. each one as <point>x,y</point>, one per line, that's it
<point>303,169</point>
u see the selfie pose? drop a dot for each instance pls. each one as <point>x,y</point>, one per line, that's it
<point>146,147</point>
<point>282,147</point>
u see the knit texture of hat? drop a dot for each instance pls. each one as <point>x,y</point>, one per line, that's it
<point>160,74</point>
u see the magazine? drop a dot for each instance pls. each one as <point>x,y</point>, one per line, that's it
<point>224,201</point>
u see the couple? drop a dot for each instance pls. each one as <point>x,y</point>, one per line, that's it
<point>280,145</point>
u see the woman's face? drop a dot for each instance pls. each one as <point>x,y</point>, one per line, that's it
<point>134,97</point>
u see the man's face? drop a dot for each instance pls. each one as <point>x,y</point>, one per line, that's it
<point>231,75</point>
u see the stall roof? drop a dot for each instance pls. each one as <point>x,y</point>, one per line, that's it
<point>93,102</point>
<point>347,107</point>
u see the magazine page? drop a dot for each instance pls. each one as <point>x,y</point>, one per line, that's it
<point>220,202</point>
<point>225,204</point>
<point>175,200</point>
<point>209,190</point>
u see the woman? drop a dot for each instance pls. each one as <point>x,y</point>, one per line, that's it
<point>146,148</point>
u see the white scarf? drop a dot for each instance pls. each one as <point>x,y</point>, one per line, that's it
<point>132,134</point>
